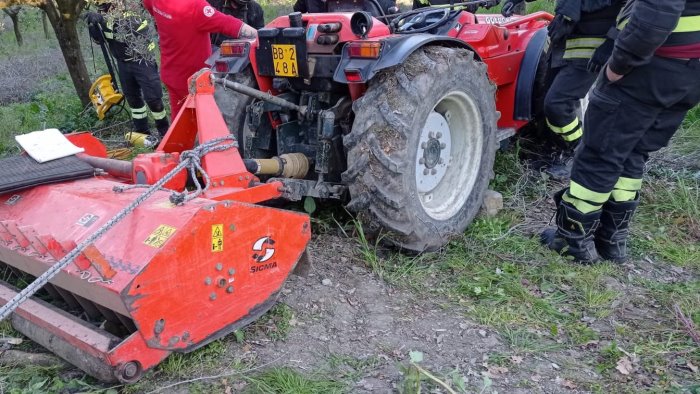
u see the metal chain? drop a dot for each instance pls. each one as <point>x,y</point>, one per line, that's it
<point>188,159</point>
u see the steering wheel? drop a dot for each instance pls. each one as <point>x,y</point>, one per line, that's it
<point>420,22</point>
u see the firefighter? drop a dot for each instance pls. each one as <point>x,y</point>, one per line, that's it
<point>650,83</point>
<point>185,45</point>
<point>248,11</point>
<point>579,46</point>
<point>139,77</point>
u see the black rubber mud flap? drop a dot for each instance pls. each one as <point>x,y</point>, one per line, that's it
<point>22,172</point>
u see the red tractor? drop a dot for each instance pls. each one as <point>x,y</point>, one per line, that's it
<point>397,116</point>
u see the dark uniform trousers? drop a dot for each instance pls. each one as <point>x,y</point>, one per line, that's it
<point>569,79</point>
<point>569,84</point>
<point>625,122</point>
<point>142,89</point>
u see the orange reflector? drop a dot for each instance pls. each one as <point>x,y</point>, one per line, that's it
<point>368,50</point>
<point>233,48</point>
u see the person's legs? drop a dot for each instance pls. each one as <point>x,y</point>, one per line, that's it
<point>132,94</point>
<point>625,122</point>
<point>615,219</point>
<point>149,79</point>
<point>177,95</point>
<point>614,123</point>
<point>562,107</point>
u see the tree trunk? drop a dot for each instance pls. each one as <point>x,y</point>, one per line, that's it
<point>13,13</point>
<point>63,17</point>
<point>45,25</point>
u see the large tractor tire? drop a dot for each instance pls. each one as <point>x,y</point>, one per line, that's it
<point>422,147</point>
<point>233,107</point>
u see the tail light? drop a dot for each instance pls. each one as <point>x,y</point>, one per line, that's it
<point>221,67</point>
<point>327,39</point>
<point>366,50</point>
<point>233,49</point>
<point>353,75</point>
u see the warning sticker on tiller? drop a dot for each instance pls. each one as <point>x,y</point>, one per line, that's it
<point>217,237</point>
<point>160,236</point>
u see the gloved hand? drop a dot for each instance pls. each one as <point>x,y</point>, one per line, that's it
<point>560,28</point>
<point>509,6</point>
<point>600,56</point>
<point>93,18</point>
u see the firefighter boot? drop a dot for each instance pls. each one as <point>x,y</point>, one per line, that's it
<point>575,232</point>
<point>560,167</point>
<point>611,237</point>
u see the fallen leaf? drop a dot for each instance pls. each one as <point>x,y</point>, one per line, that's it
<point>416,356</point>
<point>555,366</point>
<point>569,384</point>
<point>494,372</point>
<point>624,366</point>
<point>516,359</point>
<point>692,367</point>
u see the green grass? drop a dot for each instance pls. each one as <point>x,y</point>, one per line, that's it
<point>289,381</point>
<point>32,379</point>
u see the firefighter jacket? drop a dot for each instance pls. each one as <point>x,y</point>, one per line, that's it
<point>592,20</point>
<point>646,26</point>
<point>112,29</point>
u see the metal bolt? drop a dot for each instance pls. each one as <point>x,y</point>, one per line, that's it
<point>240,178</point>
<point>130,370</point>
<point>441,161</point>
<point>426,171</point>
<point>438,135</point>
<point>221,183</point>
<point>421,160</point>
<point>231,271</point>
<point>247,177</point>
<point>212,296</point>
<point>423,145</point>
<point>207,281</point>
<point>229,289</point>
<point>219,266</point>
<point>443,145</point>
<point>433,171</point>
<point>431,134</point>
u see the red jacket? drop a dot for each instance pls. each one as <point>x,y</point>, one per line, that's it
<point>184,27</point>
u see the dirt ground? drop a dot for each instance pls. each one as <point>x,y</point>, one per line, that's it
<point>356,315</point>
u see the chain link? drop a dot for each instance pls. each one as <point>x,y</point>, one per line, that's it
<point>190,160</point>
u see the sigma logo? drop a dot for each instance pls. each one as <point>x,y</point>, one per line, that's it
<point>263,250</point>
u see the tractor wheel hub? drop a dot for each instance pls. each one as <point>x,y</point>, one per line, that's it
<point>433,156</point>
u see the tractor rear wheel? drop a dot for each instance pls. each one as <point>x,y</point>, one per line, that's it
<point>233,107</point>
<point>422,147</point>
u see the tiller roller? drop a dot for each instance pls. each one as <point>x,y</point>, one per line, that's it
<point>167,277</point>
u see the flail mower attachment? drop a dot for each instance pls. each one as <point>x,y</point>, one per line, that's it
<point>167,277</point>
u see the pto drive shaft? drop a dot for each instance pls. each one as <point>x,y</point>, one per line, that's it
<point>255,93</point>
